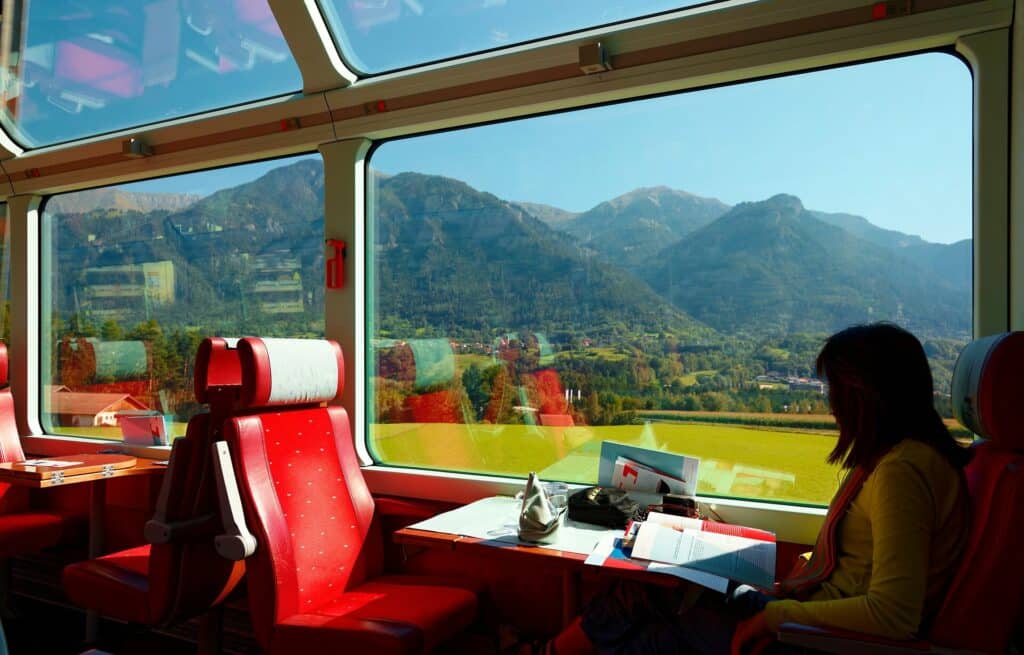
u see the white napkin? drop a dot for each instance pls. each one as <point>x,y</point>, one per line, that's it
<point>538,518</point>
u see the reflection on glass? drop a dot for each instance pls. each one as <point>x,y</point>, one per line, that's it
<point>662,273</point>
<point>139,275</point>
<point>73,69</point>
<point>382,35</point>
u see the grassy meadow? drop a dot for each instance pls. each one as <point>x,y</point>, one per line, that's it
<point>771,464</point>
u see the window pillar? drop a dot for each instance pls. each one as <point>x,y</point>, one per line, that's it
<point>345,211</point>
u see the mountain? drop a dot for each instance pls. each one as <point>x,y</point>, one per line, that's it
<point>951,262</point>
<point>283,209</point>
<point>118,199</point>
<point>553,216</point>
<point>630,229</point>
<point>774,267</point>
<point>459,261</point>
<point>216,244</point>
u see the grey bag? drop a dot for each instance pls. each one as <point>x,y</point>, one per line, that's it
<point>538,519</point>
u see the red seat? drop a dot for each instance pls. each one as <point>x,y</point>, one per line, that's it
<point>22,529</point>
<point>180,575</point>
<point>985,601</point>
<point>316,581</point>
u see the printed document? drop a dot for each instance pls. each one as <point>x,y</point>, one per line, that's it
<point>54,463</point>
<point>738,558</point>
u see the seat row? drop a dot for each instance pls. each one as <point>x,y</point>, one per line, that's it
<point>272,455</point>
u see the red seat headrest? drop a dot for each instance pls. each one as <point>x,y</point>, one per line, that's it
<point>217,367</point>
<point>290,371</point>
<point>3,366</point>
<point>986,388</point>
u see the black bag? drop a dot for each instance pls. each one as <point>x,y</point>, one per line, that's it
<point>605,506</point>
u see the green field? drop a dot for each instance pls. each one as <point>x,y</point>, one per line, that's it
<point>781,465</point>
<point>109,433</point>
<point>462,362</point>
<point>776,465</point>
<point>690,379</point>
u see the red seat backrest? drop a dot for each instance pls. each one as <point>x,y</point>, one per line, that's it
<point>12,499</point>
<point>985,602</point>
<point>304,495</point>
<point>10,440</point>
<point>187,577</point>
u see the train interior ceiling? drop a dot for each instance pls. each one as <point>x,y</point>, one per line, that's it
<point>461,244</point>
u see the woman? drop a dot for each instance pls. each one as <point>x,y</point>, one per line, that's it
<point>890,542</point>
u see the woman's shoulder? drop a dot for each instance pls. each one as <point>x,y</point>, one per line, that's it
<point>918,456</point>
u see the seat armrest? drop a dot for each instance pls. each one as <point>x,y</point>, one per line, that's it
<point>847,642</point>
<point>179,450</point>
<point>237,542</point>
<point>188,531</point>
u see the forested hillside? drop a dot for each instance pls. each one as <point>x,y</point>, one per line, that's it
<point>657,299</point>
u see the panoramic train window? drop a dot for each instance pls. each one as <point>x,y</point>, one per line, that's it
<point>135,276</point>
<point>662,273</point>
<point>74,69</point>
<point>383,35</point>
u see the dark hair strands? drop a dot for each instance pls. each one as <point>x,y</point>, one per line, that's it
<point>881,392</point>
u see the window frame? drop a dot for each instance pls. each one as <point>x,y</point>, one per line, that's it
<point>37,204</point>
<point>223,137</point>
<point>965,56</point>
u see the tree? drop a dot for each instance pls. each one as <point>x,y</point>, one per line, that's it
<point>477,389</point>
<point>111,330</point>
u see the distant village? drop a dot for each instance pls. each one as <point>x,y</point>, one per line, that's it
<point>776,380</point>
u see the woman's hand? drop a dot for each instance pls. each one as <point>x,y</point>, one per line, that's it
<point>752,636</point>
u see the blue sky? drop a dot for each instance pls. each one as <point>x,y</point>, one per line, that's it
<point>889,140</point>
<point>383,35</point>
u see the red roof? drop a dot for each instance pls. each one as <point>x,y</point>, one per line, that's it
<point>74,402</point>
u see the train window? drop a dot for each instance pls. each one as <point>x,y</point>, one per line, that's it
<point>78,69</point>
<point>383,35</point>
<point>663,272</point>
<point>135,276</point>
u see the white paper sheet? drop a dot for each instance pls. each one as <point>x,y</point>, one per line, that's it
<point>606,547</point>
<point>497,519</point>
<point>52,463</point>
<point>738,558</point>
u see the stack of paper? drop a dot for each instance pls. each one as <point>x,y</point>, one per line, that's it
<point>710,554</point>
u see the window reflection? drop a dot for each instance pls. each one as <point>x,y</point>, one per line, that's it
<point>74,69</point>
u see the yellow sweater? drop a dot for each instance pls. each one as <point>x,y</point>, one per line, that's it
<point>898,544</point>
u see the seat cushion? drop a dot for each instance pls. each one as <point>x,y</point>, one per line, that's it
<point>27,532</point>
<point>116,584</point>
<point>384,616</point>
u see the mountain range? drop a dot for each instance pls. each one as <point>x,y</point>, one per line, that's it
<point>118,200</point>
<point>452,260</point>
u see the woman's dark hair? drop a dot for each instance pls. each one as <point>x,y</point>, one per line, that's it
<point>881,392</point>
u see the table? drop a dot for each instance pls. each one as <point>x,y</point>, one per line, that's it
<point>95,469</point>
<point>487,527</point>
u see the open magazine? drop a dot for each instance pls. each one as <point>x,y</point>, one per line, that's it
<point>742,554</point>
